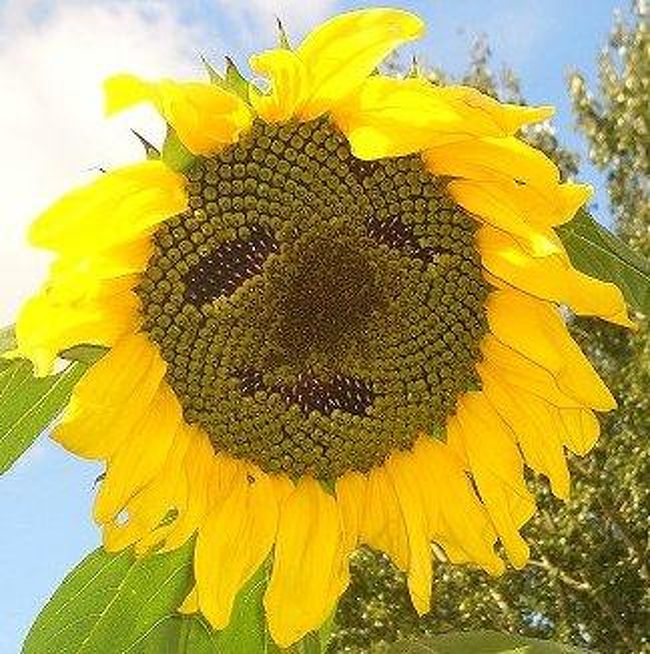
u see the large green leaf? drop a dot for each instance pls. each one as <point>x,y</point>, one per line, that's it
<point>597,252</point>
<point>113,603</point>
<point>247,630</point>
<point>29,404</point>
<point>481,642</point>
<point>177,634</point>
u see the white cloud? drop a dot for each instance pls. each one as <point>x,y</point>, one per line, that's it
<point>52,63</point>
<point>53,59</point>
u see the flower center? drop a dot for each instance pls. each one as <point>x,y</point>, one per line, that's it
<point>315,311</point>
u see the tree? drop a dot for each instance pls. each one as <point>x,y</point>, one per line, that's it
<point>587,580</point>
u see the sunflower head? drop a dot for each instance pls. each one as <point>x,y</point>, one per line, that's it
<point>335,324</point>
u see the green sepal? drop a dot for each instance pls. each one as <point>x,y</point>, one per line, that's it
<point>151,151</point>
<point>235,81</point>
<point>86,353</point>
<point>215,77</point>
<point>175,154</point>
<point>594,250</point>
<point>283,39</point>
<point>415,70</point>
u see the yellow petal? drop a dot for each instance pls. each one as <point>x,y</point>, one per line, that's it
<point>205,117</point>
<point>491,158</point>
<point>61,316</point>
<point>477,198</point>
<point>151,508</point>
<point>551,278</point>
<point>498,471</point>
<point>579,429</point>
<point>118,261</point>
<point>289,84</point>
<point>307,562</point>
<point>351,500</point>
<point>202,474</point>
<point>531,420</point>
<point>546,206</point>
<point>233,541</point>
<point>403,472</point>
<point>343,51</point>
<point>389,117</point>
<point>118,207</point>
<point>521,373</point>
<point>141,457</point>
<point>111,398</point>
<point>535,329</point>
<point>456,519</point>
<point>486,113</point>
<point>382,523</point>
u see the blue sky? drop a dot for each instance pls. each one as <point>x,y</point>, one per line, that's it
<point>52,57</point>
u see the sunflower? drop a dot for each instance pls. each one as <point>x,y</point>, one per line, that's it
<point>337,325</point>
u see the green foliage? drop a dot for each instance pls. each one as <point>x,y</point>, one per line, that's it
<point>587,580</point>
<point>616,121</point>
<point>177,634</point>
<point>247,629</point>
<point>595,251</point>
<point>480,642</point>
<point>29,404</point>
<point>113,603</point>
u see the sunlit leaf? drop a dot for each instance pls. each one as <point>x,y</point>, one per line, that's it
<point>481,642</point>
<point>177,634</point>
<point>112,603</point>
<point>247,630</point>
<point>29,404</point>
<point>596,251</point>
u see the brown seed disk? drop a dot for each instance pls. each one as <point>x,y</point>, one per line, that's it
<point>315,311</point>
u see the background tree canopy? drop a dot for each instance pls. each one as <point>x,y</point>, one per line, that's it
<point>588,578</point>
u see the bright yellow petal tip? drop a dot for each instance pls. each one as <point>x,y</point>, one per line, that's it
<point>205,117</point>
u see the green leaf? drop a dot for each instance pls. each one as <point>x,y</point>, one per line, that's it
<point>177,634</point>
<point>247,631</point>
<point>28,405</point>
<point>481,642</point>
<point>175,154</point>
<point>113,603</point>
<point>596,251</point>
